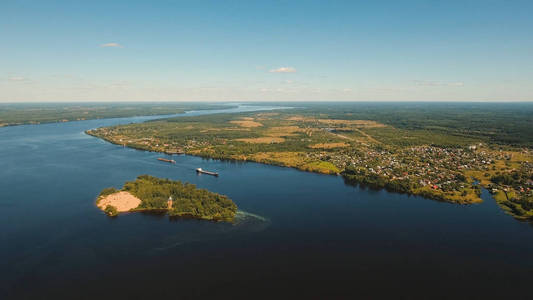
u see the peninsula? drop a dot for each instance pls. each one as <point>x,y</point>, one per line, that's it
<point>410,148</point>
<point>148,193</point>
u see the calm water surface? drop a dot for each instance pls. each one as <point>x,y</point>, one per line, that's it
<point>320,238</point>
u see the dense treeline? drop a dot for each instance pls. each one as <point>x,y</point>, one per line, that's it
<point>502,123</point>
<point>187,200</point>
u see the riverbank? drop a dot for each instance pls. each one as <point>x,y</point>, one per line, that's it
<point>302,162</point>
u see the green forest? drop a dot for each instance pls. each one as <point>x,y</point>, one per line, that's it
<point>498,123</point>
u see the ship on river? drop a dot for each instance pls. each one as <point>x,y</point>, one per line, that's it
<point>199,170</point>
<point>167,160</point>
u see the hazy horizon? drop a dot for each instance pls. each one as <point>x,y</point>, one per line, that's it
<point>260,101</point>
<point>128,51</point>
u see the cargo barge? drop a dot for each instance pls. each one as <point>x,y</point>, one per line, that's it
<point>167,160</point>
<point>199,170</point>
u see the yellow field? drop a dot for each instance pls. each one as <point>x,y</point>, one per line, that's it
<point>283,131</point>
<point>356,123</point>
<point>297,160</point>
<point>299,118</point>
<point>329,145</point>
<point>296,118</point>
<point>262,140</point>
<point>289,159</point>
<point>247,123</point>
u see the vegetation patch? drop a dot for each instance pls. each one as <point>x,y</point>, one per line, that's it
<point>321,167</point>
<point>111,211</point>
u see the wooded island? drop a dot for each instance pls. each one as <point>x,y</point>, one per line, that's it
<point>148,193</point>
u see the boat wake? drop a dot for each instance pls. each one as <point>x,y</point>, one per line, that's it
<point>245,222</point>
<point>251,221</point>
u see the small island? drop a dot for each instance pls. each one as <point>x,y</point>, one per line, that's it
<point>148,193</point>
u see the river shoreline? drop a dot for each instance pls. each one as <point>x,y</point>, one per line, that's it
<point>423,194</point>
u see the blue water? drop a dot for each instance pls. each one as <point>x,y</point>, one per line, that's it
<point>319,238</point>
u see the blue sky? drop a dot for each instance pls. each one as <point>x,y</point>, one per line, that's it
<point>266,50</point>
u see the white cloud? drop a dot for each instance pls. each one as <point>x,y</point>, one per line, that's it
<point>283,70</point>
<point>438,83</point>
<point>111,45</point>
<point>347,90</point>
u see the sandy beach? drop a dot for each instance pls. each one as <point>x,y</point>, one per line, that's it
<point>123,201</point>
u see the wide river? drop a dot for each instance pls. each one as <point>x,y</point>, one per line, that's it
<point>316,237</point>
